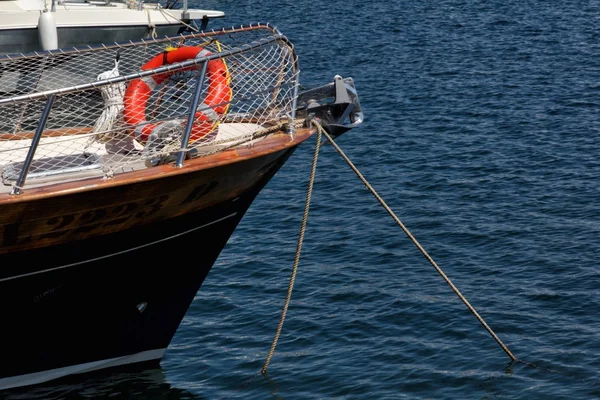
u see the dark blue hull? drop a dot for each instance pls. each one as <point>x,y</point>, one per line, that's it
<point>112,300</point>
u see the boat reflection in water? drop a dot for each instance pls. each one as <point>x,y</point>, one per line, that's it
<point>129,382</point>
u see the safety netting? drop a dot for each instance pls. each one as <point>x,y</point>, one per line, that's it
<point>106,110</point>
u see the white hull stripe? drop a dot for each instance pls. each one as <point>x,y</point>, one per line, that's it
<point>45,376</point>
<point>120,252</point>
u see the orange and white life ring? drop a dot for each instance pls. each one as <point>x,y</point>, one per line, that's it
<point>215,104</point>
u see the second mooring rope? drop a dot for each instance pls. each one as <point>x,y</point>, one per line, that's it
<point>298,249</point>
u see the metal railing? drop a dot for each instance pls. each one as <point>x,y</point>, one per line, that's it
<point>124,104</point>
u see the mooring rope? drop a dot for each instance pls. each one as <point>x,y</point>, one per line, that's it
<point>412,238</point>
<point>190,27</point>
<point>298,249</point>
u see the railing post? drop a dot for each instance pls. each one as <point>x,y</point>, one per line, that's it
<point>185,14</point>
<point>192,114</point>
<point>33,147</point>
<point>291,126</point>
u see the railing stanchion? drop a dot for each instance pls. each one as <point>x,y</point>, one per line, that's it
<point>191,116</point>
<point>33,147</point>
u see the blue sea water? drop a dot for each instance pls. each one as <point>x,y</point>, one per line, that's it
<point>482,134</point>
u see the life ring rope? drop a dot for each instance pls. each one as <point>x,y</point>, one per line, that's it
<point>210,111</point>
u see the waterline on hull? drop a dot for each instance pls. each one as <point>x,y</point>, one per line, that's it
<point>45,376</point>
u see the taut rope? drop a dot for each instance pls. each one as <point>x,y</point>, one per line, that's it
<point>412,238</point>
<point>321,131</point>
